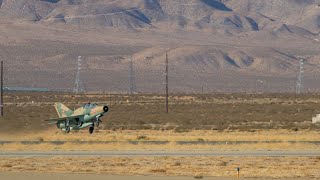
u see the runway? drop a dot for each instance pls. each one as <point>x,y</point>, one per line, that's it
<point>160,153</point>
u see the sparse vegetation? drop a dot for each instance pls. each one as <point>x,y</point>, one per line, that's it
<point>222,118</point>
<point>142,137</point>
<point>187,112</point>
<point>164,140</point>
<point>198,177</point>
<point>271,122</point>
<point>197,167</point>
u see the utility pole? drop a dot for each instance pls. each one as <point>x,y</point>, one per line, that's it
<point>167,83</point>
<point>132,87</point>
<point>1,91</point>
<point>300,77</point>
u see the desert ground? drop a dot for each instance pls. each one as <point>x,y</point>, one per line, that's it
<point>213,123</point>
<point>137,140</point>
<point>220,112</point>
<point>56,176</point>
<point>250,167</point>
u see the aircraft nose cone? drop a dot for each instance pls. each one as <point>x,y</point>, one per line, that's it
<point>105,108</point>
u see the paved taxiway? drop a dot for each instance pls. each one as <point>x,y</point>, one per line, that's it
<point>160,153</point>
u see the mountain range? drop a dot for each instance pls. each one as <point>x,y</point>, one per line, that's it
<point>212,45</point>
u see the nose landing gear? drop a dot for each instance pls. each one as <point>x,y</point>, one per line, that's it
<point>98,120</point>
<point>97,123</point>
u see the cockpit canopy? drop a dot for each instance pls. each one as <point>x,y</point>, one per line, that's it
<point>90,105</point>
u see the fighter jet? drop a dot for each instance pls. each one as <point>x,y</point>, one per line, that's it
<point>86,116</point>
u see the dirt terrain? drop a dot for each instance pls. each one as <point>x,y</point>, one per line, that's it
<point>251,167</point>
<point>212,111</point>
<point>39,176</point>
<point>215,122</point>
<point>213,46</point>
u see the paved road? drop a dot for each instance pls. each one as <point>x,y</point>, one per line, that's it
<point>159,153</point>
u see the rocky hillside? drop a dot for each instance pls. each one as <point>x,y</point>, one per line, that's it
<point>226,45</point>
<point>228,16</point>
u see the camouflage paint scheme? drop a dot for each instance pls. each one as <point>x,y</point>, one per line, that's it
<point>86,116</point>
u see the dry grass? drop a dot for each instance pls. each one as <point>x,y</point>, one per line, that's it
<point>279,119</point>
<point>163,147</point>
<point>183,166</point>
<point>187,112</point>
<point>123,140</point>
<point>170,135</point>
<point>216,117</point>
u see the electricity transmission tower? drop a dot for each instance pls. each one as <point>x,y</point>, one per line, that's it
<point>300,87</point>
<point>132,87</point>
<point>78,85</point>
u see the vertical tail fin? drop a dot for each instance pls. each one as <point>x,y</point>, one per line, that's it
<point>62,110</point>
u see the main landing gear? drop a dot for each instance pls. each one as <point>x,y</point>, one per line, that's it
<point>91,129</point>
<point>67,126</point>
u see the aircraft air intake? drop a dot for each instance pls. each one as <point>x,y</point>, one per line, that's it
<point>105,108</point>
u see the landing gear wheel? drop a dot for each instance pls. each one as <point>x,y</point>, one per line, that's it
<point>66,124</point>
<point>91,129</point>
<point>97,123</point>
<point>67,130</point>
